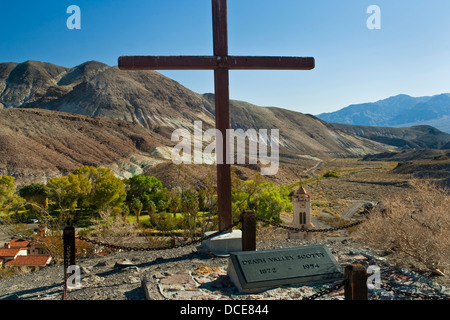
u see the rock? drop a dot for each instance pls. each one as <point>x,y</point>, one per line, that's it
<point>101,264</point>
<point>150,287</point>
<point>359,257</point>
<point>208,297</point>
<point>91,281</point>
<point>205,270</point>
<point>134,280</point>
<point>222,281</point>
<point>86,270</point>
<point>182,277</point>
<point>187,295</point>
<point>124,263</point>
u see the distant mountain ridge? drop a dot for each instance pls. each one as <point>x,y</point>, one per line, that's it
<point>415,137</point>
<point>398,111</point>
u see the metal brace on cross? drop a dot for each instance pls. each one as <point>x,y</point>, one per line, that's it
<point>220,62</point>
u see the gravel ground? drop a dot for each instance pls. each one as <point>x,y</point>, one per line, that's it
<point>102,278</point>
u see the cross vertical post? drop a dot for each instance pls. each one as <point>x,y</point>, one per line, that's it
<point>222,111</point>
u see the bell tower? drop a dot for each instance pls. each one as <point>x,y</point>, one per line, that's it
<point>301,202</point>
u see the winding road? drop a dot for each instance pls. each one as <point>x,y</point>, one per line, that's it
<point>352,209</point>
<point>317,166</point>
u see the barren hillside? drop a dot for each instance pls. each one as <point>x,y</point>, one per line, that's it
<point>54,119</point>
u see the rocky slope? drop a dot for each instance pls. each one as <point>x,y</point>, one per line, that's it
<point>36,145</point>
<point>97,90</point>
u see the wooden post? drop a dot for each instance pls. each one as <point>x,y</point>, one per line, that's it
<point>248,231</point>
<point>69,246</point>
<point>355,287</point>
<point>69,253</point>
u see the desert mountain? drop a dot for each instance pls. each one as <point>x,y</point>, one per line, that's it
<point>97,90</point>
<point>161,104</point>
<point>36,145</point>
<point>415,137</point>
<point>398,111</point>
<point>57,118</point>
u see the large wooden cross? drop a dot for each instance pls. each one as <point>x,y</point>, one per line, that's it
<point>220,62</point>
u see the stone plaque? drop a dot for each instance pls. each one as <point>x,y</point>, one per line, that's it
<point>253,271</point>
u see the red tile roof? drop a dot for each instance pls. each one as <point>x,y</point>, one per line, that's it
<point>18,243</point>
<point>9,252</point>
<point>301,190</point>
<point>40,260</point>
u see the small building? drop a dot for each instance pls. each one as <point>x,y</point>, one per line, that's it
<point>17,243</point>
<point>8,254</point>
<point>32,247</point>
<point>301,202</point>
<point>37,248</point>
<point>23,253</point>
<point>33,262</point>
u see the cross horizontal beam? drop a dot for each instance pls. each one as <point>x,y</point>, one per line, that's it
<point>212,62</point>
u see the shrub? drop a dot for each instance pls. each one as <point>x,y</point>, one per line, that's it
<point>162,221</point>
<point>414,223</point>
<point>331,174</point>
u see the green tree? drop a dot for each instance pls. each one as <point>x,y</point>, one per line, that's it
<point>202,197</point>
<point>9,201</point>
<point>174,201</point>
<point>271,201</point>
<point>161,205</point>
<point>136,207</point>
<point>239,202</point>
<point>266,199</point>
<point>36,193</point>
<point>208,201</point>
<point>125,209</point>
<point>7,189</point>
<point>189,208</point>
<point>146,189</point>
<point>107,191</point>
<point>66,191</point>
<point>93,173</point>
<point>151,207</point>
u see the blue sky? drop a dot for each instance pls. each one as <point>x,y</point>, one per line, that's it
<point>410,54</point>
